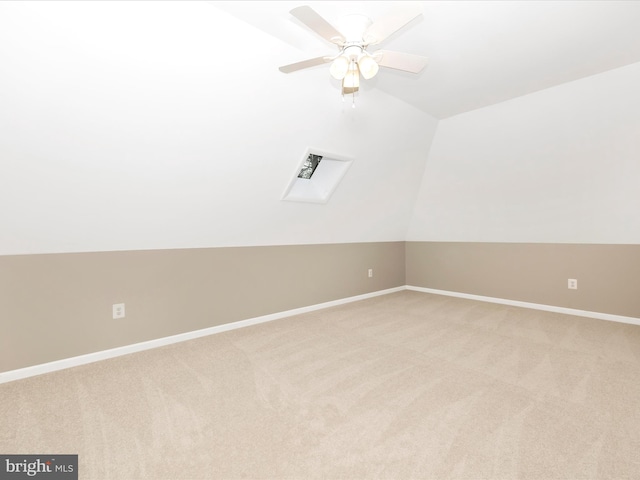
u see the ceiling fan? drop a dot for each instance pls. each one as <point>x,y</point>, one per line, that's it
<point>356,34</point>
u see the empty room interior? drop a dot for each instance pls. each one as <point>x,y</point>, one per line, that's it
<point>340,240</point>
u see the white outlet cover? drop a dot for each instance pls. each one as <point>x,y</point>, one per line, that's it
<point>118,310</point>
<point>572,283</point>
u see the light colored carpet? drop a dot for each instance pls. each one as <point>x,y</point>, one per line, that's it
<point>403,386</point>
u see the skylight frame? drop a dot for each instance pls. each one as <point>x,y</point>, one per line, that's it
<point>324,180</point>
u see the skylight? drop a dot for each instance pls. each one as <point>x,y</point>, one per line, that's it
<point>316,177</point>
<point>309,166</point>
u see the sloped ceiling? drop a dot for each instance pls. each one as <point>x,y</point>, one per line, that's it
<point>146,125</point>
<point>481,52</point>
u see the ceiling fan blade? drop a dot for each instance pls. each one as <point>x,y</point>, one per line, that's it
<point>407,62</point>
<point>399,16</point>
<point>312,62</point>
<point>315,22</point>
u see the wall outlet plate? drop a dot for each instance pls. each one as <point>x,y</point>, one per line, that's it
<point>118,310</point>
<point>572,284</point>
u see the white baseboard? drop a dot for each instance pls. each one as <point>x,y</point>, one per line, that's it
<point>138,347</point>
<point>536,306</point>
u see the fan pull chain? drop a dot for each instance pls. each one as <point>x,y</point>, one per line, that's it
<point>353,99</point>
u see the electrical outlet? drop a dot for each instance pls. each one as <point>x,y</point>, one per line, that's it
<point>118,310</point>
<point>370,272</point>
<point>572,284</point>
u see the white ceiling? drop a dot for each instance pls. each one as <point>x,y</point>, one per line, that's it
<point>143,124</point>
<point>480,52</point>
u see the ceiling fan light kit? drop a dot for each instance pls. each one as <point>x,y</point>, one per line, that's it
<point>339,67</point>
<point>352,78</point>
<point>368,66</point>
<point>356,33</point>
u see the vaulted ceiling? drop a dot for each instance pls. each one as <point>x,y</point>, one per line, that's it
<point>480,52</point>
<point>144,124</point>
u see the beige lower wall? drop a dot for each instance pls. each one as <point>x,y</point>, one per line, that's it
<point>59,306</point>
<point>608,275</point>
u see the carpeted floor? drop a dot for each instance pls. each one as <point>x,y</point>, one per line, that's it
<point>402,386</point>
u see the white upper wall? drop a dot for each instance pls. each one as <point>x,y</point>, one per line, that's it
<point>560,165</point>
<point>144,125</point>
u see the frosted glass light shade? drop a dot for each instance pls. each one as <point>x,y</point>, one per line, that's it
<point>339,67</point>
<point>352,78</point>
<point>368,66</point>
